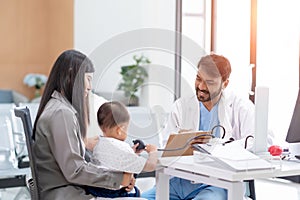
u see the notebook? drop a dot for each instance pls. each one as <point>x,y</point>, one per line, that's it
<point>180,140</point>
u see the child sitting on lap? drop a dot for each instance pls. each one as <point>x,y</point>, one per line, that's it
<point>113,153</point>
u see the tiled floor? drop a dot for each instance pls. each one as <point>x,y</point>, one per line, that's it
<point>275,189</point>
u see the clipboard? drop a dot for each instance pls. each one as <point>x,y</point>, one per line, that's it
<point>177,140</point>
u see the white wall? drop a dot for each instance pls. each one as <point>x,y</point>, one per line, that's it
<point>278,60</point>
<point>111,32</point>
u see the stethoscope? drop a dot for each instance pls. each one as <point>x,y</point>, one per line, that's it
<point>196,146</point>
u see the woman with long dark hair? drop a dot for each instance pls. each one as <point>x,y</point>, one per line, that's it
<point>60,130</point>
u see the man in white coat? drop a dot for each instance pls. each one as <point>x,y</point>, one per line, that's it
<point>210,106</point>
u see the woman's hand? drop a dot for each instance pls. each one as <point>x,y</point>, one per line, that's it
<point>131,184</point>
<point>91,142</point>
<point>127,179</point>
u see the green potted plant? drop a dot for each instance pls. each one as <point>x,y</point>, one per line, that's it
<point>133,76</point>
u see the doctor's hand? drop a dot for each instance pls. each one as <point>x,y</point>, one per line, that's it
<point>201,140</point>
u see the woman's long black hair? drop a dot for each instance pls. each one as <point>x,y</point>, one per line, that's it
<point>67,77</point>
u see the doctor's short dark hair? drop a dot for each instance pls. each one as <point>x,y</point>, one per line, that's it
<point>111,114</point>
<point>216,66</point>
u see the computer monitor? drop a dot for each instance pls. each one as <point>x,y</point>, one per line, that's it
<point>293,134</point>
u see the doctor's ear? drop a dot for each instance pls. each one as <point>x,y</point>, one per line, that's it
<point>225,84</point>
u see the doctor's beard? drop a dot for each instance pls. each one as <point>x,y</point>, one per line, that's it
<point>207,95</point>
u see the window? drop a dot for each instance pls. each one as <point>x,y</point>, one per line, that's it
<point>278,60</point>
<point>196,26</point>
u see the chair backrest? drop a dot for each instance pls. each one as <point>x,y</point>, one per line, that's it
<point>33,107</point>
<point>24,114</point>
<point>143,125</point>
<point>6,96</point>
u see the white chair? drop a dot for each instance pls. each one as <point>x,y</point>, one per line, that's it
<point>7,151</point>
<point>7,109</point>
<point>7,144</point>
<point>143,125</point>
<point>10,174</point>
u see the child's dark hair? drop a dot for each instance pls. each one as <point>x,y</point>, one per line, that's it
<point>111,114</point>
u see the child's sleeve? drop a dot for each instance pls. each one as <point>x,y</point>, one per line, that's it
<point>118,156</point>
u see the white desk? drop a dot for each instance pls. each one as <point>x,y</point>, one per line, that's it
<point>213,173</point>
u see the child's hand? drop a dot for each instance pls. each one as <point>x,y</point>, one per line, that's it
<point>137,151</point>
<point>134,147</point>
<point>150,148</point>
<point>152,158</point>
<point>139,146</point>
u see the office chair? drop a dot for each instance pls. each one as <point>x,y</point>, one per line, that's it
<point>24,114</point>
<point>11,175</point>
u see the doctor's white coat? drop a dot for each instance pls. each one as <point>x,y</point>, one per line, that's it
<point>236,115</point>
